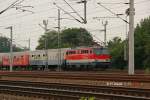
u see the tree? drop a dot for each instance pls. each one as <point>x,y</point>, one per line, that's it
<point>51,40</point>
<point>142,44</point>
<point>142,47</point>
<point>116,48</point>
<point>5,45</point>
<point>72,37</point>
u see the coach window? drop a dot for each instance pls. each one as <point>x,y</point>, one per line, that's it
<point>90,51</point>
<point>70,52</point>
<point>78,52</point>
<point>38,56</point>
<point>73,52</point>
<point>67,53</point>
<point>86,51</point>
<point>82,51</point>
<point>46,55</point>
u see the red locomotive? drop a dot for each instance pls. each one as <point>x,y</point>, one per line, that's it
<point>88,57</point>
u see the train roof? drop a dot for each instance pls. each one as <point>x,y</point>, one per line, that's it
<point>83,48</point>
<point>20,52</point>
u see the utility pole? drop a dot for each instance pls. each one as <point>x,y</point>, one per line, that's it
<point>105,30</point>
<point>11,49</point>
<point>126,41</point>
<point>45,23</point>
<point>59,39</point>
<point>131,38</point>
<point>85,10</point>
<point>29,44</point>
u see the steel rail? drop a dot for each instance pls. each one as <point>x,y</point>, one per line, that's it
<point>65,88</point>
<point>83,77</point>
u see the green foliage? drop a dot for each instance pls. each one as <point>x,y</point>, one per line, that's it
<point>142,47</point>
<point>5,45</point>
<point>72,37</point>
<point>116,48</point>
<point>147,70</point>
<point>142,44</point>
<point>50,39</point>
<point>87,98</point>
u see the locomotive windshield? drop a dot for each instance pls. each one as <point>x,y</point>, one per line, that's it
<point>99,51</point>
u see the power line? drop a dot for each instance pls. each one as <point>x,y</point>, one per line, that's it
<point>142,1</point>
<point>74,10</point>
<point>113,13</point>
<point>67,13</point>
<point>10,6</point>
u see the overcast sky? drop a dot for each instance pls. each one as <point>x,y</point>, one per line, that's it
<point>25,24</point>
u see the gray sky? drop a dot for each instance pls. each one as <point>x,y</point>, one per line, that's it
<point>25,24</point>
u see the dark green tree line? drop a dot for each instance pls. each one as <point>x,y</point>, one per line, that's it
<point>5,45</point>
<point>142,44</point>
<point>72,37</point>
<point>142,47</point>
<point>116,49</point>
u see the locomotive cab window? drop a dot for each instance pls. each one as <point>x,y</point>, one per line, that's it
<point>105,51</point>
<point>99,51</point>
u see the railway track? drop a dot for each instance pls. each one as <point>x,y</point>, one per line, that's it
<point>72,91</point>
<point>74,74</point>
<point>95,79</point>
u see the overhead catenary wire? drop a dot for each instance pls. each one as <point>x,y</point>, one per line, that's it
<point>47,10</point>
<point>92,11</point>
<point>112,12</point>
<point>12,5</point>
<point>74,10</point>
<point>119,7</point>
<point>142,1</point>
<point>67,13</point>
